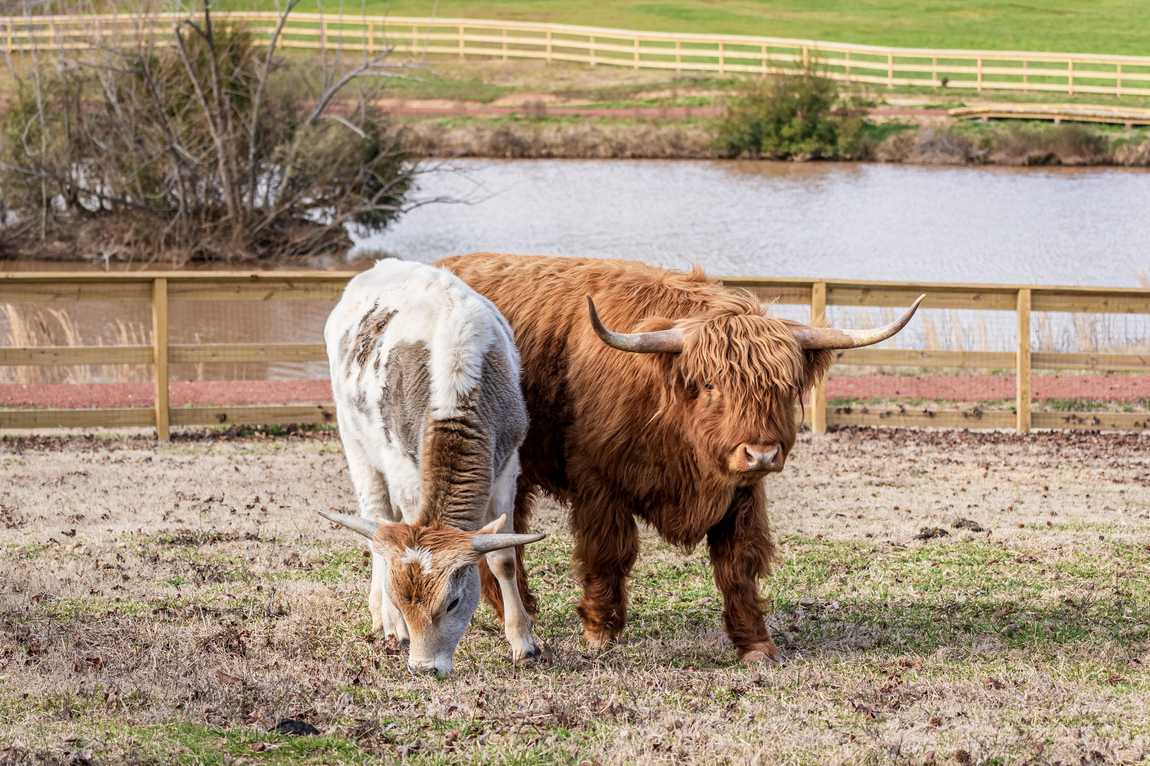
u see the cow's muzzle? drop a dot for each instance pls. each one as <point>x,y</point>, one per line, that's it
<point>757,458</point>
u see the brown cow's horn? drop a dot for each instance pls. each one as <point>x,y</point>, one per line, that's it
<point>658,341</point>
<point>830,338</point>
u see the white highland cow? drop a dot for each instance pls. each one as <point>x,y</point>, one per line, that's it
<point>425,376</point>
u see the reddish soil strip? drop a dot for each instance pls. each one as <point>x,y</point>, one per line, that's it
<point>968,388</point>
<point>183,393</point>
<point>974,388</point>
<point>470,109</point>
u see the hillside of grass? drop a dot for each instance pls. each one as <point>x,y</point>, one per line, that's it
<point>1097,26</point>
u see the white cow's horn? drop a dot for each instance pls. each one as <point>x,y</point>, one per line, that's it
<point>365,527</point>
<point>488,543</point>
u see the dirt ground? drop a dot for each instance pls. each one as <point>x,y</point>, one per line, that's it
<point>942,597</point>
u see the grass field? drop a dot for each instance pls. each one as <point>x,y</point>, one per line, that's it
<point>173,604</point>
<point>1101,26</point>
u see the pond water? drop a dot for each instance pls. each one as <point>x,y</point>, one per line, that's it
<point>838,220</point>
<point>829,220</point>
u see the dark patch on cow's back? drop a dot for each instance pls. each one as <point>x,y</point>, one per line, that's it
<point>499,406</point>
<point>403,404</point>
<point>371,330</point>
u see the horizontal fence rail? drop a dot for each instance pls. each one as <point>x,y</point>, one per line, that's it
<point>161,289</point>
<point>1069,73</point>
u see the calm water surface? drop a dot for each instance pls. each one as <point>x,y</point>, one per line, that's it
<point>809,220</point>
<point>1046,226</point>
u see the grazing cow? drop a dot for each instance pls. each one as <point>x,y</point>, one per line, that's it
<point>675,421</point>
<point>425,377</point>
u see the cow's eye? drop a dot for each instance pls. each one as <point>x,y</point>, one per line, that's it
<point>454,603</point>
<point>709,386</point>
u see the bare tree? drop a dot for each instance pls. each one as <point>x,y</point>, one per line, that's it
<point>201,146</point>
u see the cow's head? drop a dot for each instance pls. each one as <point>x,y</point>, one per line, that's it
<point>432,579</point>
<point>733,380</point>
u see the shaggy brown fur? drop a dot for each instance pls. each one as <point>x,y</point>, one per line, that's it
<point>619,435</point>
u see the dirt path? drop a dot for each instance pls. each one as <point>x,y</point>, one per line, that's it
<point>962,388</point>
<point>163,604</point>
<point>539,107</point>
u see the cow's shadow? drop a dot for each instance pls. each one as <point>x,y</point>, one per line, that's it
<point>812,628</point>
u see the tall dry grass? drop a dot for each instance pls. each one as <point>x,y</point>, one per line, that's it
<point>38,326</point>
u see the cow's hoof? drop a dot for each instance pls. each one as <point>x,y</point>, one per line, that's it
<point>531,656</point>
<point>598,639</point>
<point>760,654</point>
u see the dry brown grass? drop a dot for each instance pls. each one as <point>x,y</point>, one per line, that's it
<point>30,325</point>
<point>172,604</point>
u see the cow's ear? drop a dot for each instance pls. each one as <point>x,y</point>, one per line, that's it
<point>816,364</point>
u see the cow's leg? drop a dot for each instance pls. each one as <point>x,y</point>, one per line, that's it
<point>606,546</point>
<point>374,503</point>
<point>507,568</point>
<point>492,590</point>
<point>741,551</point>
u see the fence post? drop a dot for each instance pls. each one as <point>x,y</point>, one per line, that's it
<point>592,46</point>
<point>721,50</point>
<point>461,42</point>
<point>1022,405</point>
<point>978,83</point>
<point>160,356</point>
<point>1070,76</point>
<point>678,56</point>
<point>636,53</point>
<point>548,46</point>
<point>764,55</point>
<point>890,70</point>
<point>503,36</point>
<point>818,403</point>
<point>1118,81</point>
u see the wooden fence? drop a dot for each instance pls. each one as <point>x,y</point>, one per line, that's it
<point>159,289</point>
<point>1069,73</point>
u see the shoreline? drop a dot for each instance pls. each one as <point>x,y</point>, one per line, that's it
<point>1017,144</point>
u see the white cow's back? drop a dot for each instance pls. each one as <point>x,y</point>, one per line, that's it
<point>393,321</point>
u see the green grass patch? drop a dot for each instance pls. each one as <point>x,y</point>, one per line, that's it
<point>430,84</point>
<point>1104,26</point>
<point>330,566</point>
<point>189,743</point>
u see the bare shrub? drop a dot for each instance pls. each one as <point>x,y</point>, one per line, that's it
<point>566,140</point>
<point>1055,145</point>
<point>1133,154</point>
<point>202,146</point>
<point>929,146</point>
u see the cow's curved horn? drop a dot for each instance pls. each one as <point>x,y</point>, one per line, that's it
<point>830,338</point>
<point>657,341</point>
<point>488,543</point>
<point>365,527</point>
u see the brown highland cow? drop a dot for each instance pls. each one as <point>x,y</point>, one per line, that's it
<point>675,421</point>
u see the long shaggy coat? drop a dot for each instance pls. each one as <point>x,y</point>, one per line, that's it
<point>622,435</point>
